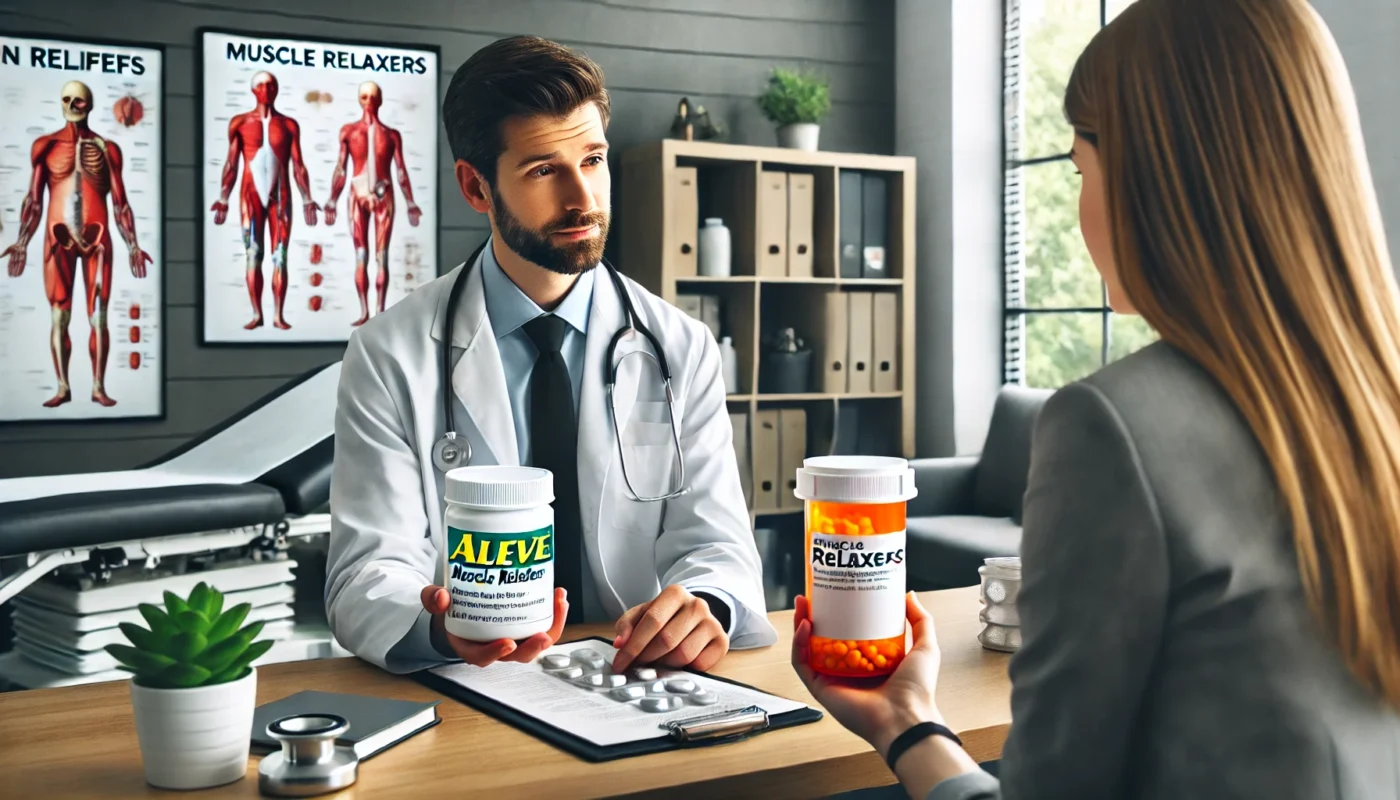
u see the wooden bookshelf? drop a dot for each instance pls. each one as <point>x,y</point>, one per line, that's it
<point>655,250</point>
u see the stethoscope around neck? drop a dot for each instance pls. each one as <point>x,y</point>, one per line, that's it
<point>453,450</point>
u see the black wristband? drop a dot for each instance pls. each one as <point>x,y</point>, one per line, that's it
<point>913,736</point>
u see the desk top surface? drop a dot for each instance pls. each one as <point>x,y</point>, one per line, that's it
<point>81,740</point>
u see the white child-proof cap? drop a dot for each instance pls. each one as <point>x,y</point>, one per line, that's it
<point>855,479</point>
<point>499,488</point>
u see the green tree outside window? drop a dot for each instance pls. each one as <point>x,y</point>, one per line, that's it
<point>1060,347</point>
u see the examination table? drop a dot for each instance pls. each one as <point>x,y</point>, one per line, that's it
<point>236,507</point>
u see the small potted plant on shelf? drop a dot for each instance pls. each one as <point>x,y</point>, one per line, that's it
<point>796,102</point>
<point>193,688</point>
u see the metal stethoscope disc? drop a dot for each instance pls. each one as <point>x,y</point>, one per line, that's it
<point>451,452</point>
<point>310,762</point>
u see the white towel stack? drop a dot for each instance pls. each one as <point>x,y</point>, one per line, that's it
<point>60,630</point>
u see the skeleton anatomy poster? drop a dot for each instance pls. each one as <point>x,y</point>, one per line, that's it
<point>81,267</point>
<point>320,184</point>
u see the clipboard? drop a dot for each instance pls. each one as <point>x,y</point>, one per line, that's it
<point>700,729</point>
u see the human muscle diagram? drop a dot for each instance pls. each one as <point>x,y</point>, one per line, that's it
<point>268,145</point>
<point>81,246</point>
<point>287,122</point>
<point>372,147</point>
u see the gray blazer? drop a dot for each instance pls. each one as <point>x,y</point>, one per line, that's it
<point>1168,651</point>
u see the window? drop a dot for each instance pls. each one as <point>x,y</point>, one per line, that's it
<point>1058,325</point>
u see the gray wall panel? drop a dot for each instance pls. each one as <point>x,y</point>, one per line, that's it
<point>717,52</point>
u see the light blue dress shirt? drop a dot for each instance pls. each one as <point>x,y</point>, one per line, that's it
<point>509,309</point>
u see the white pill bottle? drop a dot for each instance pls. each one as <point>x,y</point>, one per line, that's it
<point>499,552</point>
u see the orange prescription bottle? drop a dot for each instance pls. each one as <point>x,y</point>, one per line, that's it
<point>855,507</point>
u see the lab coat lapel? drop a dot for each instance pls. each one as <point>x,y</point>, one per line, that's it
<point>598,430</point>
<point>478,379</point>
<point>596,434</point>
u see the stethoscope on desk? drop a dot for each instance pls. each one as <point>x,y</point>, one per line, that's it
<point>452,450</point>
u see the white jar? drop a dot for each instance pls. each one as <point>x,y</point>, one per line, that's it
<point>499,552</point>
<point>729,360</point>
<point>714,249</point>
<point>1000,588</point>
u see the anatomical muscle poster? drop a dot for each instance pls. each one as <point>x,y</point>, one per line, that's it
<point>81,216</point>
<point>319,170</point>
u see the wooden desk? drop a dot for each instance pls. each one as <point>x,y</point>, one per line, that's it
<point>80,741</point>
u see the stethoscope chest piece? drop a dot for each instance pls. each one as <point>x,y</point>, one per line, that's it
<point>310,762</point>
<point>451,451</point>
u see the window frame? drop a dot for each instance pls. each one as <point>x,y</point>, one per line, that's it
<point>1015,311</point>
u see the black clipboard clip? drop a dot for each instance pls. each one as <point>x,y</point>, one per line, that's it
<point>725,726</point>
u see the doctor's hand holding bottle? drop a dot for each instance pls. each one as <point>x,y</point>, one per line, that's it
<point>437,601</point>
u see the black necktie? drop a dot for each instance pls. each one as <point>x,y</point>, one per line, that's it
<point>554,446</point>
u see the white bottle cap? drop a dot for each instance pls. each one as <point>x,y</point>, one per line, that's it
<point>499,488</point>
<point>855,479</point>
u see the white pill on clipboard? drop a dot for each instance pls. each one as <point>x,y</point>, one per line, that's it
<point>628,693</point>
<point>555,661</point>
<point>703,697</point>
<point>661,703</point>
<point>589,658</point>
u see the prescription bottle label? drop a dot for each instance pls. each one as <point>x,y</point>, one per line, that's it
<point>858,585</point>
<point>501,578</point>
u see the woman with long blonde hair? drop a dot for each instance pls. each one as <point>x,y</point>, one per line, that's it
<point>1210,603</point>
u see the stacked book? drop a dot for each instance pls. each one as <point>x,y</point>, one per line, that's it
<point>61,628</point>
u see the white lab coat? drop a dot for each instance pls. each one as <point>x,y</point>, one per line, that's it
<point>386,492</point>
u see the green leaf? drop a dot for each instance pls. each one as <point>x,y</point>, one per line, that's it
<point>253,653</point>
<point>256,651</point>
<point>233,673</point>
<point>193,621</point>
<point>216,604</point>
<point>183,676</point>
<point>251,630</point>
<point>161,625</point>
<point>220,656</point>
<point>226,652</point>
<point>141,638</point>
<point>173,604</point>
<point>200,598</point>
<point>188,644</point>
<point>140,659</point>
<point>148,680</point>
<point>228,622</point>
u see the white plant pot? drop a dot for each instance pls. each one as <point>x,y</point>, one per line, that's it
<point>799,135</point>
<point>195,738</point>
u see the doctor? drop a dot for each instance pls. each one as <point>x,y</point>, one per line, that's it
<point>529,335</point>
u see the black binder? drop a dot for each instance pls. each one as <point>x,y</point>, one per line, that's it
<point>875,223</point>
<point>701,731</point>
<point>851,208</point>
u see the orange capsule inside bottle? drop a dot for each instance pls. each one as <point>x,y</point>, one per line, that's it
<point>855,570</point>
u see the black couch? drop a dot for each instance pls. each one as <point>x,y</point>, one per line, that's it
<point>969,507</point>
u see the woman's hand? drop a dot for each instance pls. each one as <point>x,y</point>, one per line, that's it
<point>877,710</point>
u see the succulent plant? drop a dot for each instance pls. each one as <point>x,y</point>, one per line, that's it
<point>192,642</point>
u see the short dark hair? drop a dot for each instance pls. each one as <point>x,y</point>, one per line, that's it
<point>520,76</point>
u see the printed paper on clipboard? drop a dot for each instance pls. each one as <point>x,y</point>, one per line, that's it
<point>594,723</point>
